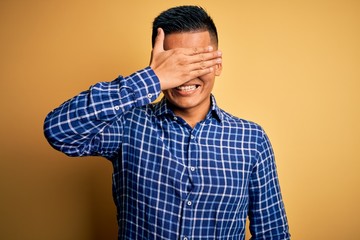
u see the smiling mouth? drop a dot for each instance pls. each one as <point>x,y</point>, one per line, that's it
<point>187,88</point>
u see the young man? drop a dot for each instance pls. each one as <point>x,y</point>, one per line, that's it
<point>183,168</point>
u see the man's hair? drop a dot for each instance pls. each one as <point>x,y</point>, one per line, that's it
<point>185,19</point>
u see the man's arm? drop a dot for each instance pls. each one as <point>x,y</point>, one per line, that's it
<point>74,128</point>
<point>266,209</point>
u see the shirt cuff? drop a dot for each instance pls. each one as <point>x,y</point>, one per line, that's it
<point>145,85</point>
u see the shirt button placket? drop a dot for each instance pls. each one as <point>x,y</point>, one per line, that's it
<point>190,201</point>
<point>188,218</point>
<point>192,168</point>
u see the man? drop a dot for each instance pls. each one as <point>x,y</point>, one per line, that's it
<point>183,168</point>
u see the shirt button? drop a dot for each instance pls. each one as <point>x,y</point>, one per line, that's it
<point>175,118</point>
<point>189,203</point>
<point>117,108</point>
<point>192,136</point>
<point>149,95</point>
<point>185,238</point>
<point>192,169</point>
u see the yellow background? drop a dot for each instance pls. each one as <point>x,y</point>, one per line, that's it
<point>291,66</point>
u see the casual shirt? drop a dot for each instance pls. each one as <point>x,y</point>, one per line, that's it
<point>171,181</point>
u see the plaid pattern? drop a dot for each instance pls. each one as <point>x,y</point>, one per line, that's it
<point>171,181</point>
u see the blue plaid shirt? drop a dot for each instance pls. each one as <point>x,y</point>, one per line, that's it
<point>171,181</point>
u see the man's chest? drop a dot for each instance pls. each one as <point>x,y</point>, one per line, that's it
<point>208,159</point>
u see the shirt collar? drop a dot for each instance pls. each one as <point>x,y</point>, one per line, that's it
<point>162,109</point>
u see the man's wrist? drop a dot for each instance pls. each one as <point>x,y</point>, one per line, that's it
<point>145,85</point>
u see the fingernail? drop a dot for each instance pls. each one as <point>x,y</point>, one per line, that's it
<point>219,53</point>
<point>210,48</point>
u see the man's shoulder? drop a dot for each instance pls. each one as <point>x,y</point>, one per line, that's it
<point>236,121</point>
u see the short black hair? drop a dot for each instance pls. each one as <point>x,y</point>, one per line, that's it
<point>184,19</point>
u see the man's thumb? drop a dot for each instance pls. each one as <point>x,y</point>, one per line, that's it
<point>159,41</point>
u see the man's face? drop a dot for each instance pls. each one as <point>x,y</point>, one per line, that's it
<point>193,95</point>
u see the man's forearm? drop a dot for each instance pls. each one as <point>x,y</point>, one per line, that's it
<point>72,127</point>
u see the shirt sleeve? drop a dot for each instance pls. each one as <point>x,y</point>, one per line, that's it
<point>266,209</point>
<point>75,127</point>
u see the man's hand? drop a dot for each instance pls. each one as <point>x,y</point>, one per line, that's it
<point>176,66</point>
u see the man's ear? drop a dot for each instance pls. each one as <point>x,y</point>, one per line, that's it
<point>218,69</point>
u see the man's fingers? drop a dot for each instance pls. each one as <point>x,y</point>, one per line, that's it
<point>203,57</point>
<point>201,72</point>
<point>205,61</point>
<point>197,50</point>
<point>207,56</point>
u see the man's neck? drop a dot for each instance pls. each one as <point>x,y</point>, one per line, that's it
<point>192,116</point>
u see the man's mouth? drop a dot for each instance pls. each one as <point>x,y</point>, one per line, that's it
<point>187,88</point>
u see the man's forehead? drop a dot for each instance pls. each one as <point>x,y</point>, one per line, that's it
<point>187,39</point>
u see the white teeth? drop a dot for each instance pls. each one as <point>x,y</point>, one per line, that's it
<point>186,88</point>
